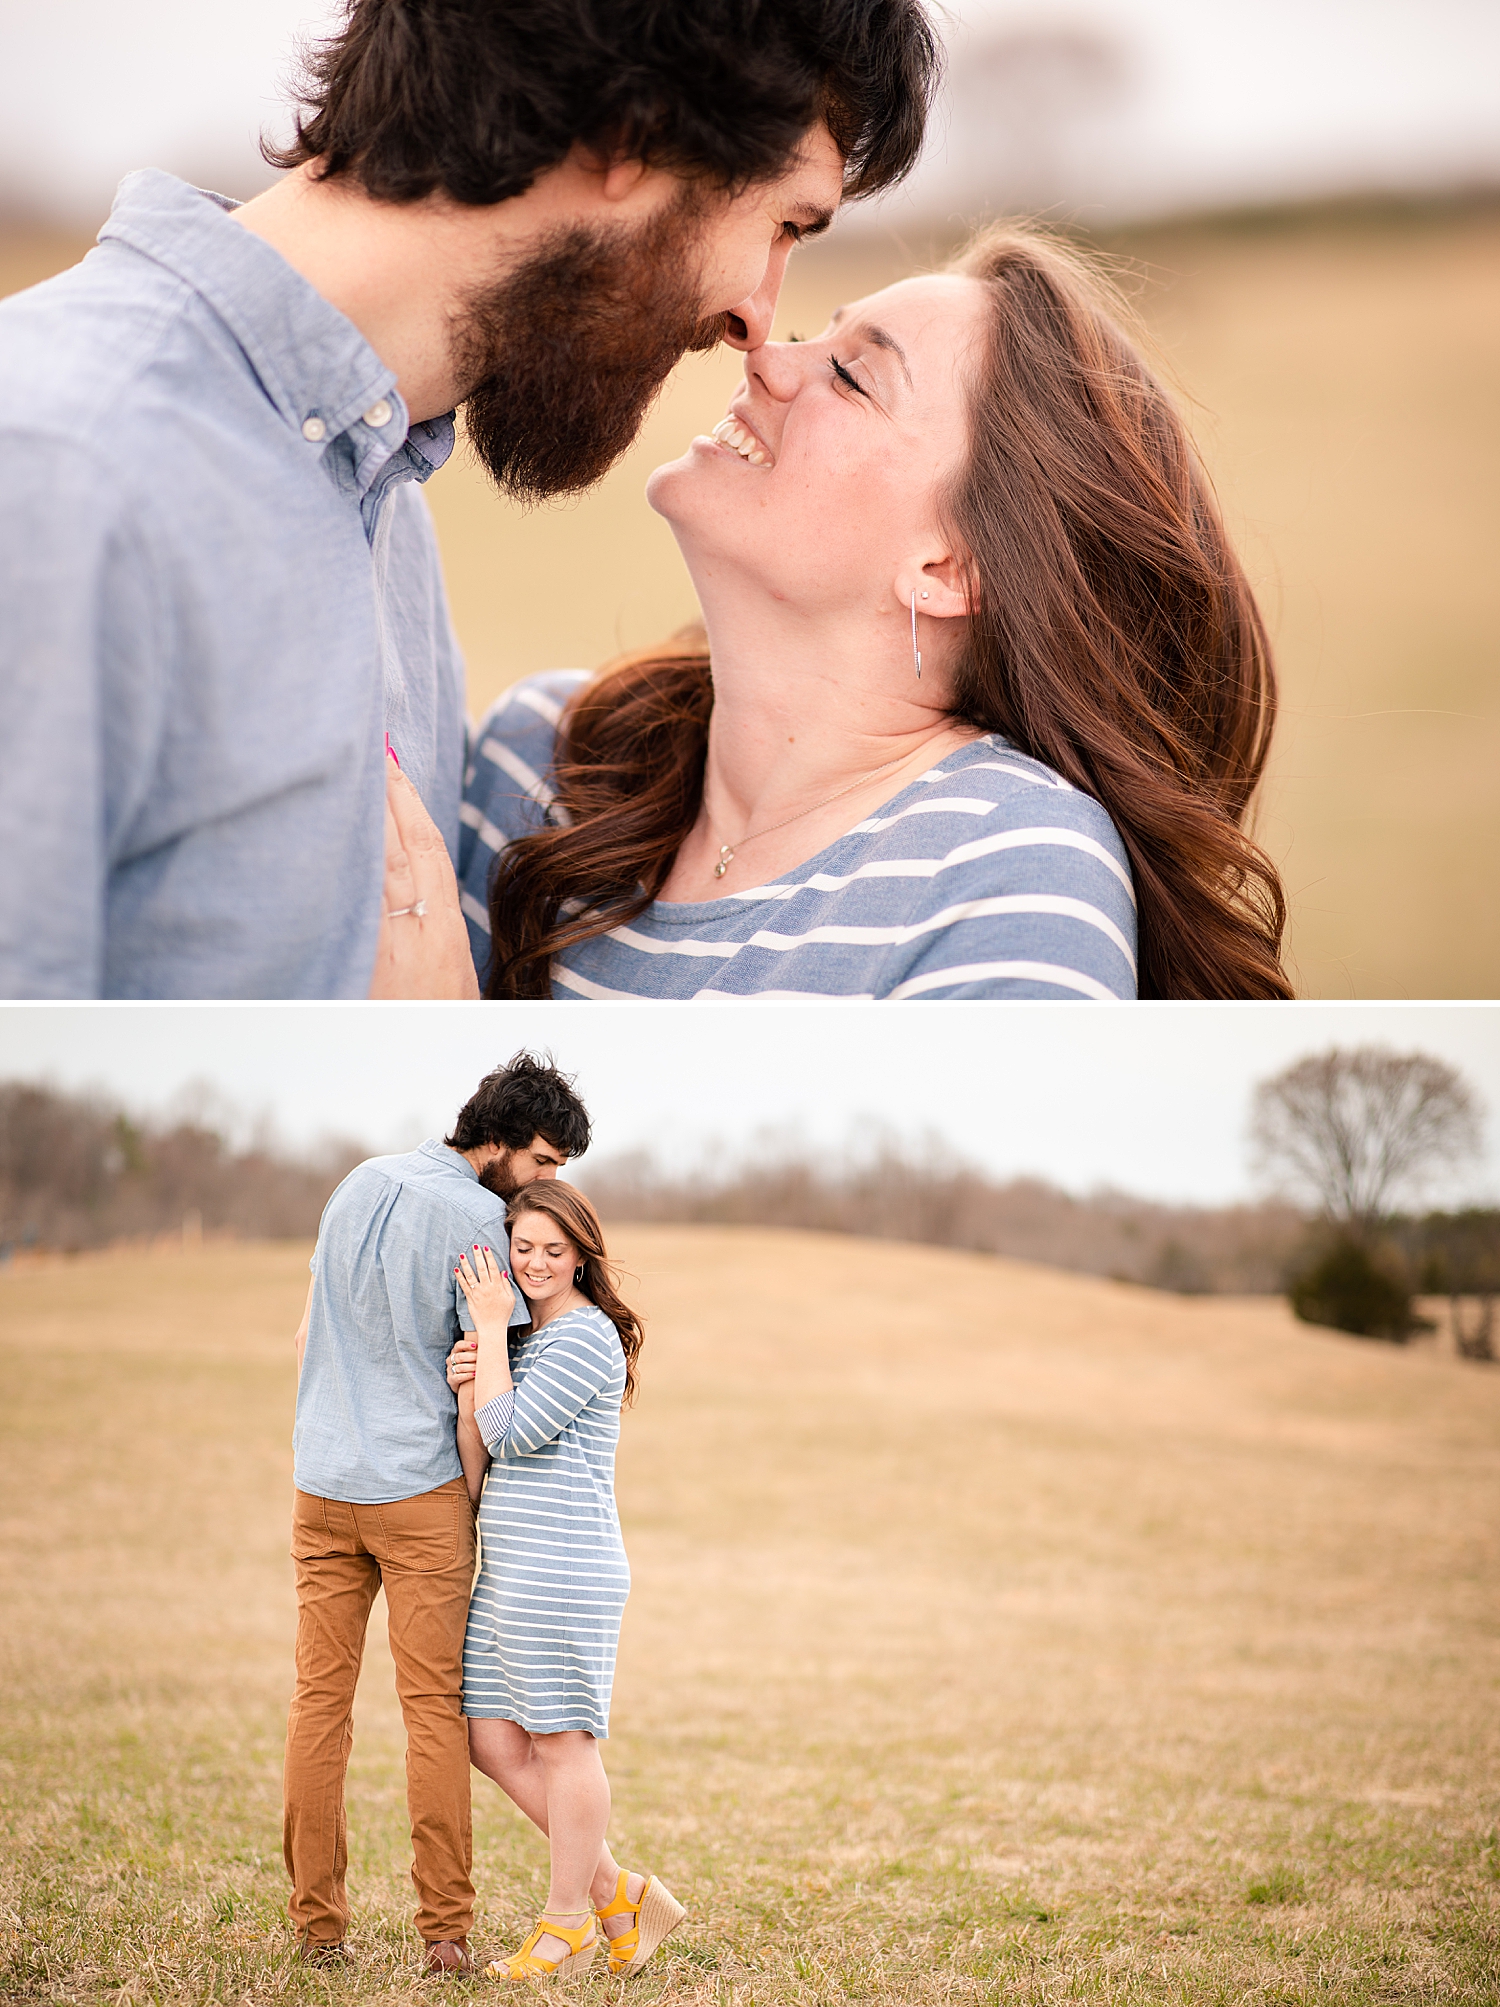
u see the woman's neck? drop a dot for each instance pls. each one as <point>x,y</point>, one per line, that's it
<point>554,1306</point>
<point>816,722</point>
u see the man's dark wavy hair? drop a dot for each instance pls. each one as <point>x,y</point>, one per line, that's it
<point>476,98</point>
<point>527,1097</point>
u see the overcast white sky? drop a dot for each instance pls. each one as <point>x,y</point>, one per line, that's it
<point>1149,1098</point>
<point>1226,101</point>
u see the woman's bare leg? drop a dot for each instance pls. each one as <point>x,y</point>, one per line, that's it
<point>558,1780</point>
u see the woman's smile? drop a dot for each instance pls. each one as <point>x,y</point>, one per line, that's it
<point>736,436</point>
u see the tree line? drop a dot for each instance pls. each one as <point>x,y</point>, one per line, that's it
<point>1346,1134</point>
<point>76,1172</point>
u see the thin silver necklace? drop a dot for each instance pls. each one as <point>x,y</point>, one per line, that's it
<point>727,851</point>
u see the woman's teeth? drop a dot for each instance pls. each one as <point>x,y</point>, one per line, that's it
<point>740,439</point>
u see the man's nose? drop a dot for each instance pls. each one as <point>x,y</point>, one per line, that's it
<point>749,323</point>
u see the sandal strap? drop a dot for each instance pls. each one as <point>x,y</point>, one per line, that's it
<point>620,1903</point>
<point>575,1939</point>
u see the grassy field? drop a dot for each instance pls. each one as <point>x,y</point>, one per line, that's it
<point>1340,370</point>
<point>998,1636</point>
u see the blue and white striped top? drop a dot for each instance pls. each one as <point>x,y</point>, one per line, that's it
<point>987,877</point>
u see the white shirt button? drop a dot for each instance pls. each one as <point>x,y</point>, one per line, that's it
<point>379,413</point>
<point>314,429</point>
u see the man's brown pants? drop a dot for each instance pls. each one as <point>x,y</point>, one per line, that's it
<point>421,1550</point>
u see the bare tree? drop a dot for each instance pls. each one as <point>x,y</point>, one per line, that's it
<point>1355,1130</point>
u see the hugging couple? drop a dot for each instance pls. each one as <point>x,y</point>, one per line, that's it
<point>980,697</point>
<point>464,1353</point>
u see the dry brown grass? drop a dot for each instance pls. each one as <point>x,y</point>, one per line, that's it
<point>1345,393</point>
<point>998,1635</point>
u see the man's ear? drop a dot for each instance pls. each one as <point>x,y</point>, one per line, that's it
<point>941,585</point>
<point>622,178</point>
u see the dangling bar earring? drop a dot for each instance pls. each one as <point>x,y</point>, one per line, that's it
<point>915,650</point>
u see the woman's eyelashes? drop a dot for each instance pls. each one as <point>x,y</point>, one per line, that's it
<point>844,377</point>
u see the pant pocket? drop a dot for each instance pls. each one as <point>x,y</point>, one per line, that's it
<point>312,1536</point>
<point>422,1534</point>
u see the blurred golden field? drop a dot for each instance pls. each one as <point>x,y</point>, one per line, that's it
<point>997,1636</point>
<point>1341,370</point>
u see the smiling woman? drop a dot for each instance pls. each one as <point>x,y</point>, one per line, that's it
<point>984,700</point>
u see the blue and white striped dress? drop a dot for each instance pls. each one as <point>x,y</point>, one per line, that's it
<point>544,1620</point>
<point>987,877</point>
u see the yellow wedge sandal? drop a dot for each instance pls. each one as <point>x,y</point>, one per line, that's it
<point>656,1914</point>
<point>527,1963</point>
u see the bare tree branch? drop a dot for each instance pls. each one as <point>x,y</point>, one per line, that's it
<point>1356,1131</point>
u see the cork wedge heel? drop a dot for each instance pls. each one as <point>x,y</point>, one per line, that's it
<point>656,1914</point>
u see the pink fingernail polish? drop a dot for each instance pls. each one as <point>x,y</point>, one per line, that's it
<point>391,751</point>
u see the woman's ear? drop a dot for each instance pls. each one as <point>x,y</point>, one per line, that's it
<point>941,586</point>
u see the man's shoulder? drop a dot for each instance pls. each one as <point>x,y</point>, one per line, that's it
<point>411,1178</point>
<point>77,350</point>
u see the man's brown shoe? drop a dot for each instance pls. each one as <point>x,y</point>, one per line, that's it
<point>323,1954</point>
<point>448,1958</point>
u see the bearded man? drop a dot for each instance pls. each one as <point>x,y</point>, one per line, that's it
<point>381,1500</point>
<point>219,588</point>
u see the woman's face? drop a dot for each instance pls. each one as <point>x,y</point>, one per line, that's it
<point>542,1258</point>
<point>824,481</point>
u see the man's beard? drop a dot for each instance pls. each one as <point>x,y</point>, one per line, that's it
<point>498,1177</point>
<point>567,353</point>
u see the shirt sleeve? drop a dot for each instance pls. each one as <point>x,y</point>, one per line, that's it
<point>568,1372</point>
<point>81,708</point>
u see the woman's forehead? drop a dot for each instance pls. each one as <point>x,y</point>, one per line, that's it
<point>537,1226</point>
<point>942,304</point>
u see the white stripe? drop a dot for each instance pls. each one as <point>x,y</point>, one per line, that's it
<point>473,817</point>
<point>1040,972</point>
<point>960,804</point>
<point>581,986</point>
<point>929,867</point>
<point>500,755</point>
<point>1046,778</point>
<point>543,706</point>
<point>886,937</point>
<point>645,945</point>
<point>524,693</point>
<point>470,906</point>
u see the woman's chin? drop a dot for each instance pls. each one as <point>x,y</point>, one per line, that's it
<point>671,488</point>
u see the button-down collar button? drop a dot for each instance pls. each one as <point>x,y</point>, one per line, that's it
<point>314,429</point>
<point>379,413</point>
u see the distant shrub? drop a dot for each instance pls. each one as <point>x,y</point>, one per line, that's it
<point>1349,1288</point>
<point>1280,1885</point>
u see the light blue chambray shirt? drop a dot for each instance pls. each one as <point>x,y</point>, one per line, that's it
<point>376,1418</point>
<point>219,590</point>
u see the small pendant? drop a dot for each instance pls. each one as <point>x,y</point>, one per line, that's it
<point>726,857</point>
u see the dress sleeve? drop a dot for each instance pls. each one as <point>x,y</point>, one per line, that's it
<point>569,1371</point>
<point>1041,906</point>
<point>507,789</point>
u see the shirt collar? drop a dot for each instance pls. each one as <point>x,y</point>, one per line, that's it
<point>451,1158</point>
<point>315,366</point>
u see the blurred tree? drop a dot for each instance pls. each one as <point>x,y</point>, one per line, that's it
<point>1461,1260</point>
<point>1353,1130</point>
<point>1350,1287</point>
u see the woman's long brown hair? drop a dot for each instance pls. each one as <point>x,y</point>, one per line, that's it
<point>573,1216</point>
<point>1112,635</point>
